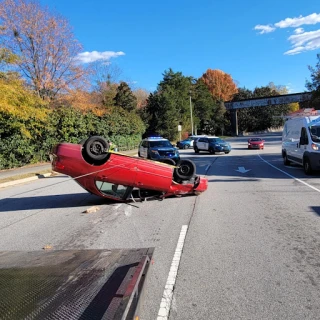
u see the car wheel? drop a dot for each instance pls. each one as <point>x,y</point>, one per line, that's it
<point>196,150</point>
<point>185,170</point>
<point>186,146</point>
<point>286,161</point>
<point>96,149</point>
<point>211,150</point>
<point>139,154</point>
<point>226,152</point>
<point>307,166</point>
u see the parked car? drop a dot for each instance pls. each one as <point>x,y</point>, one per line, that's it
<point>212,145</point>
<point>159,149</point>
<point>121,177</point>
<point>188,143</point>
<point>255,143</point>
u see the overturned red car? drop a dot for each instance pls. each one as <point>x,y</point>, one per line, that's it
<point>121,177</point>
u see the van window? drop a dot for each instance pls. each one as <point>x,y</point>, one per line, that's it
<point>315,133</point>
<point>304,137</point>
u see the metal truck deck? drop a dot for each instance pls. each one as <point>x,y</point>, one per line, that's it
<point>71,284</point>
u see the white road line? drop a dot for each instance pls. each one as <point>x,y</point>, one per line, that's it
<point>166,300</point>
<point>291,176</point>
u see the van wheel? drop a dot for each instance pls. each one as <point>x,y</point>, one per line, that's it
<point>307,166</point>
<point>286,161</point>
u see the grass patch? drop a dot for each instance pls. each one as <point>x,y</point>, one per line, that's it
<point>23,176</point>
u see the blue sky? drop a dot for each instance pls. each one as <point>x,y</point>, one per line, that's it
<point>256,42</point>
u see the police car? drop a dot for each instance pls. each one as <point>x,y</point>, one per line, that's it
<point>158,149</point>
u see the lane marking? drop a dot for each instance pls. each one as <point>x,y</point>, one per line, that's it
<point>289,175</point>
<point>166,300</point>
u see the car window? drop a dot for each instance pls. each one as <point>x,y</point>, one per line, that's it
<point>215,140</point>
<point>145,144</point>
<point>110,189</point>
<point>160,144</point>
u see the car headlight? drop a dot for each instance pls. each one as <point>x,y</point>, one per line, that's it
<point>315,146</point>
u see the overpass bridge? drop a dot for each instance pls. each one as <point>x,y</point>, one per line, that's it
<point>263,102</point>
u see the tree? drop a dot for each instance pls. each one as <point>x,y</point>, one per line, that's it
<point>125,98</point>
<point>142,96</point>
<point>314,84</point>
<point>169,105</point>
<point>208,112</point>
<point>261,118</point>
<point>220,84</point>
<point>45,45</point>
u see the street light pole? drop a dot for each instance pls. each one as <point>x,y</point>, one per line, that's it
<point>191,115</point>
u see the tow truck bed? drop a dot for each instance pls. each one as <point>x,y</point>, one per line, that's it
<point>71,284</point>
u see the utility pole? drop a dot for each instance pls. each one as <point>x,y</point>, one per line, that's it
<point>191,114</point>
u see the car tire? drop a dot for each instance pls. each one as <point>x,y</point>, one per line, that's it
<point>211,150</point>
<point>227,152</point>
<point>307,166</point>
<point>196,150</point>
<point>95,149</point>
<point>286,161</point>
<point>186,146</point>
<point>185,170</point>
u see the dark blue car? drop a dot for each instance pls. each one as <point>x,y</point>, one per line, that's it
<point>158,149</point>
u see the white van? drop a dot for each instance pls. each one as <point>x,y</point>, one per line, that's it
<point>301,141</point>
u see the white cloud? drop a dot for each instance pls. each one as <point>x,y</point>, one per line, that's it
<point>87,57</point>
<point>300,41</point>
<point>304,42</point>
<point>313,18</point>
<point>298,31</point>
<point>264,28</point>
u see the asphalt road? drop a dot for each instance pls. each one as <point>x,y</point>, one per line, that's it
<point>251,249</point>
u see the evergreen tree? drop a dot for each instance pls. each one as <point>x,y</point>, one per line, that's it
<point>125,98</point>
<point>314,84</point>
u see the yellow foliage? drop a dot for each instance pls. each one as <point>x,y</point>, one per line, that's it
<point>15,99</point>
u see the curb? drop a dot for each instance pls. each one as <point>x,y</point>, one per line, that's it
<point>14,182</point>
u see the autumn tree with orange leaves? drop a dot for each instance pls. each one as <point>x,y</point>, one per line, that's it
<point>220,84</point>
<point>45,45</point>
